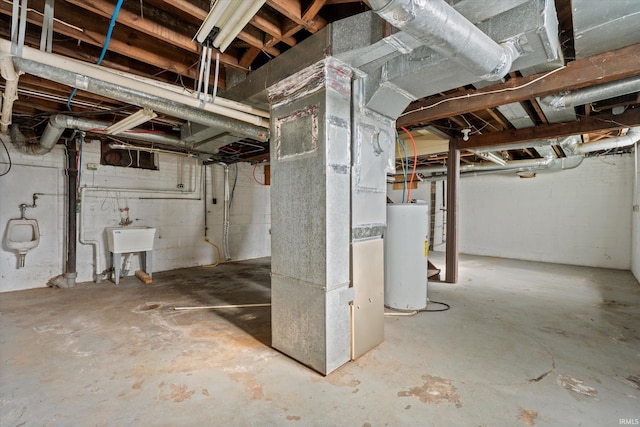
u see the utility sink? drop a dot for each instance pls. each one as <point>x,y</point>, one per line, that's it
<point>130,239</point>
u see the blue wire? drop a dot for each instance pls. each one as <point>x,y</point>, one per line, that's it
<point>406,163</point>
<point>105,46</point>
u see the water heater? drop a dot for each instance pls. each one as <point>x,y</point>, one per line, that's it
<point>406,246</point>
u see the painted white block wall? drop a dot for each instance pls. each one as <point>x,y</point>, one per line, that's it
<point>153,200</point>
<point>30,175</point>
<point>635,239</point>
<point>580,216</point>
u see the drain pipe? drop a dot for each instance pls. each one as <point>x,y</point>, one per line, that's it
<point>561,101</point>
<point>68,279</point>
<point>72,192</point>
<point>440,27</point>
<point>8,72</point>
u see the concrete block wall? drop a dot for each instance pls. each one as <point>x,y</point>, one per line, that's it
<point>28,175</point>
<point>153,199</point>
<point>581,216</point>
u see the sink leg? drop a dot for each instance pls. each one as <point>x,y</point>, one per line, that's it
<point>147,262</point>
<point>117,264</point>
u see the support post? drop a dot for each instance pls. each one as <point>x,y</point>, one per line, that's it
<point>453,177</point>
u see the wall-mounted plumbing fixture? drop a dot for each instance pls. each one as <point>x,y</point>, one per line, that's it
<point>22,234</point>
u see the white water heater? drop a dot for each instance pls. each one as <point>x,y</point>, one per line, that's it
<point>406,246</point>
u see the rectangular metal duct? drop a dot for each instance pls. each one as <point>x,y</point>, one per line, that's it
<point>600,26</point>
<point>532,25</point>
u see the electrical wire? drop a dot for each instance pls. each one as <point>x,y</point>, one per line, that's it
<point>254,175</point>
<point>8,157</point>
<point>446,307</point>
<point>215,264</point>
<point>424,310</point>
<point>473,95</point>
<point>415,162</point>
<point>105,46</point>
<point>405,166</point>
<point>233,190</point>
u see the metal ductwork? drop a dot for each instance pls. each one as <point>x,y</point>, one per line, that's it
<point>448,34</point>
<point>632,136</point>
<point>436,24</point>
<point>60,122</point>
<point>565,100</point>
<point>534,165</point>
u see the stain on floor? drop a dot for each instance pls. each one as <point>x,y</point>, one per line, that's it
<point>528,416</point>
<point>435,390</point>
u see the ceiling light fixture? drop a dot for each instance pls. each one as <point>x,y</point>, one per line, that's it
<point>136,119</point>
<point>492,157</point>
<point>225,21</point>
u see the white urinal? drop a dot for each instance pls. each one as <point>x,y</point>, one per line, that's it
<point>22,235</point>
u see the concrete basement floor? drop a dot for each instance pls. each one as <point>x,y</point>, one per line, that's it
<point>523,344</point>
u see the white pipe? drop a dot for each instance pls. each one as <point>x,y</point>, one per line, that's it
<point>235,25</point>
<point>97,273</point>
<point>234,105</point>
<point>10,94</point>
<point>83,71</point>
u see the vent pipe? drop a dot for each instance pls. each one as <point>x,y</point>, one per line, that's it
<point>563,100</point>
<point>439,26</point>
<point>10,91</point>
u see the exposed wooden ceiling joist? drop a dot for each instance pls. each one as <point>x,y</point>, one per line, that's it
<point>601,122</point>
<point>598,69</point>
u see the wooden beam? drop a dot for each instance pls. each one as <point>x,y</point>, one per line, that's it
<point>453,177</point>
<point>629,118</point>
<point>273,29</point>
<point>200,14</point>
<point>598,69</point>
<point>145,26</point>
<point>115,45</point>
<point>249,56</point>
<point>313,10</point>
<point>292,9</point>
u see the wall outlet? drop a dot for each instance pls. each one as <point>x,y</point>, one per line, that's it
<point>636,208</point>
<point>92,166</point>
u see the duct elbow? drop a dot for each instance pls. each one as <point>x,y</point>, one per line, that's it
<point>510,53</point>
